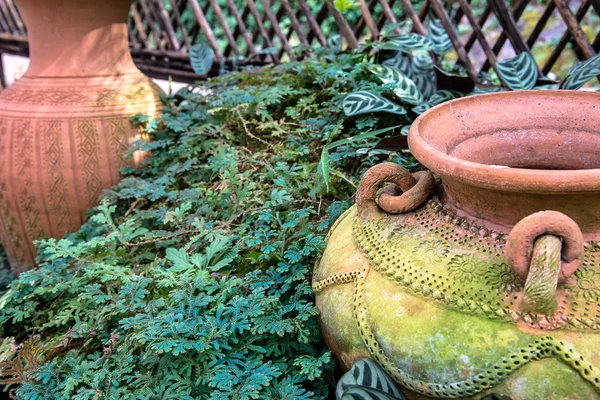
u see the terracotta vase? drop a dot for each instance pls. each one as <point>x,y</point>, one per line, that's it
<point>64,126</point>
<point>487,281</point>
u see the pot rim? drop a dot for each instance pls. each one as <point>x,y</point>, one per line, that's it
<point>501,178</point>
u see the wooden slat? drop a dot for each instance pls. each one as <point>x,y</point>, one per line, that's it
<point>166,24</point>
<point>562,43</point>
<point>464,6</point>
<point>481,21</point>
<point>416,20</point>
<point>261,27</point>
<point>241,27</point>
<point>294,21</point>
<point>574,28</point>
<point>441,13</point>
<point>362,22</point>
<point>342,25</point>
<point>204,25</point>
<point>141,30</point>
<point>386,6</point>
<point>4,23</point>
<point>424,10</point>
<point>518,11</point>
<point>506,20</point>
<point>177,17</point>
<point>541,24</point>
<point>221,19</point>
<point>16,17</point>
<point>366,13</point>
<point>151,24</point>
<point>12,28</point>
<point>312,22</point>
<point>277,29</point>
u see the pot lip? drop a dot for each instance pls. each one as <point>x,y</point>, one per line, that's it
<point>501,178</point>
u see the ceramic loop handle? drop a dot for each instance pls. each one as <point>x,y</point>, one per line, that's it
<point>543,249</point>
<point>416,188</point>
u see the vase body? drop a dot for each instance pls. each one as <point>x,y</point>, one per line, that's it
<point>432,291</point>
<point>64,126</point>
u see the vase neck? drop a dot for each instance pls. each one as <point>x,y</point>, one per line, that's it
<point>77,38</point>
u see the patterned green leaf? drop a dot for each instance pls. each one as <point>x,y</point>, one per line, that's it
<point>425,84</point>
<point>402,85</point>
<point>422,64</point>
<point>421,108</point>
<point>399,62</point>
<point>444,95</point>
<point>409,42</point>
<point>487,89</point>
<point>366,373</point>
<point>362,102</point>
<point>201,58</point>
<point>519,73</point>
<point>438,36</point>
<point>582,72</point>
<point>334,42</point>
<point>362,393</point>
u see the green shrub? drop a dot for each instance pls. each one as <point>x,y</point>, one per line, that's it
<point>192,279</point>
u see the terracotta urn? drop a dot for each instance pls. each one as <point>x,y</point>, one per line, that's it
<point>483,275</point>
<point>64,126</point>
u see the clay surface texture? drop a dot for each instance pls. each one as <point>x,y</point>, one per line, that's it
<point>64,126</point>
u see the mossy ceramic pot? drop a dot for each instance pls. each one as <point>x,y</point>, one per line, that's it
<point>483,278</point>
<point>64,126</point>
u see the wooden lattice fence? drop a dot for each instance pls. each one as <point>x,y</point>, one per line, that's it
<point>242,32</point>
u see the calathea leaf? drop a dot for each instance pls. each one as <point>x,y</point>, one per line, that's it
<point>399,62</point>
<point>519,73</point>
<point>582,72</point>
<point>426,84</point>
<point>438,36</point>
<point>201,58</point>
<point>487,89</point>
<point>444,95</point>
<point>422,64</point>
<point>363,393</point>
<point>334,42</point>
<point>409,42</point>
<point>362,102</point>
<point>402,85</point>
<point>421,108</point>
<point>366,373</point>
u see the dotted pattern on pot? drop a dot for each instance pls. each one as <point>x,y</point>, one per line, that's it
<point>437,255</point>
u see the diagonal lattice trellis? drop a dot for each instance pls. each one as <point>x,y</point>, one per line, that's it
<point>258,32</point>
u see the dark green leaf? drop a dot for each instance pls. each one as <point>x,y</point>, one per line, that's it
<point>399,62</point>
<point>440,39</point>
<point>366,102</point>
<point>421,108</point>
<point>363,393</point>
<point>402,85</point>
<point>444,95</point>
<point>582,72</point>
<point>201,58</point>
<point>409,42</point>
<point>367,374</point>
<point>519,73</point>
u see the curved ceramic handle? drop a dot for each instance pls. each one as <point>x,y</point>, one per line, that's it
<point>544,248</point>
<point>416,188</point>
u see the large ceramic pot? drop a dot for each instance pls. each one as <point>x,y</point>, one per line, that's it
<point>490,280</point>
<point>64,126</point>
